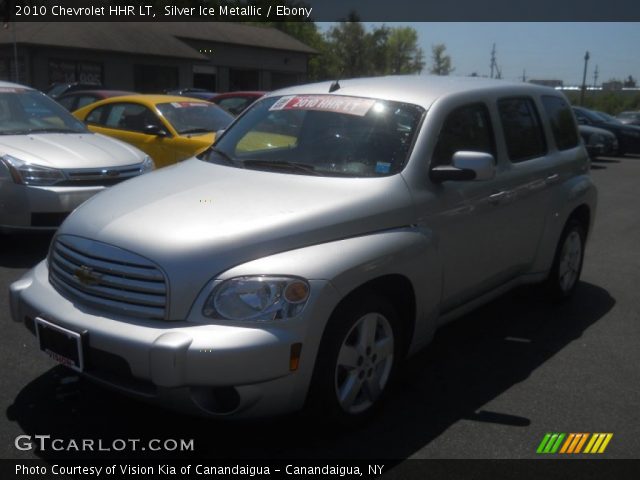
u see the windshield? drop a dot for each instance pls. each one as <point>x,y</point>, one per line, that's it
<point>194,117</point>
<point>25,111</point>
<point>329,135</point>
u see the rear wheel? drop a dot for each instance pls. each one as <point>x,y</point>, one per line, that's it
<point>567,266</point>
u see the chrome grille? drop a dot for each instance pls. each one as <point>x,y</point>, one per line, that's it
<point>99,176</point>
<point>107,277</point>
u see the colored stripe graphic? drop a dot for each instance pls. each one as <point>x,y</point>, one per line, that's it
<point>576,439</point>
<point>573,443</point>
<point>581,443</point>
<point>551,443</point>
<point>598,443</point>
<point>567,442</point>
<point>543,443</point>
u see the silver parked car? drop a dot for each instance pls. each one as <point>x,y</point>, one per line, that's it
<point>324,237</point>
<point>50,163</point>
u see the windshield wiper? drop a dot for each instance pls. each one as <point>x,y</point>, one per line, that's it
<point>52,130</point>
<point>283,165</point>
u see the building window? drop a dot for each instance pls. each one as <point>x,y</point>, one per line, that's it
<point>154,78</point>
<point>282,80</point>
<point>66,71</point>
<point>244,80</point>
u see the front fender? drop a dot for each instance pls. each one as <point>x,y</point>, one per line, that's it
<point>350,263</point>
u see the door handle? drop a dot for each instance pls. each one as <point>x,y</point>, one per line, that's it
<point>552,179</point>
<point>495,198</point>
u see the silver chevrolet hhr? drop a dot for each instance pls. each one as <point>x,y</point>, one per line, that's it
<point>50,163</point>
<point>323,238</point>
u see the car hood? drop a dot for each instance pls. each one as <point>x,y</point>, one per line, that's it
<point>589,130</point>
<point>195,220</point>
<point>70,150</point>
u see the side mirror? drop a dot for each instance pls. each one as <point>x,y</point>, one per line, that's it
<point>155,130</point>
<point>465,166</point>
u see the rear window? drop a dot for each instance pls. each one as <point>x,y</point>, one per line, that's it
<point>194,117</point>
<point>522,129</point>
<point>562,123</point>
<point>329,135</point>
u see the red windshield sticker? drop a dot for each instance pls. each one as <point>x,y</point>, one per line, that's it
<point>188,104</point>
<point>327,103</point>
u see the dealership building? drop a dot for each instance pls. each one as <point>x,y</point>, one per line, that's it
<point>152,57</point>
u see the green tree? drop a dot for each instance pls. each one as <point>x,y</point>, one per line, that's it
<point>441,62</point>
<point>403,54</point>
<point>355,52</point>
<point>349,53</point>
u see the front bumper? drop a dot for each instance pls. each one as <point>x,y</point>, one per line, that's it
<point>25,207</point>
<point>208,369</point>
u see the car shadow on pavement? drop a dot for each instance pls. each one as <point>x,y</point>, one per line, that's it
<point>605,160</point>
<point>23,250</point>
<point>469,363</point>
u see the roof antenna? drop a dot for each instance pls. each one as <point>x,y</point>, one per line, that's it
<point>334,86</point>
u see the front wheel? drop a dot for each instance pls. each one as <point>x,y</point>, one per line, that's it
<point>357,358</point>
<point>567,265</point>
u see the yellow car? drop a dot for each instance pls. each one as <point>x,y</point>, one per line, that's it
<point>167,128</point>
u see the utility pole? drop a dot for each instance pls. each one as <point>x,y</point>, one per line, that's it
<point>493,59</point>
<point>15,53</point>
<point>595,77</point>
<point>524,75</point>
<point>584,79</point>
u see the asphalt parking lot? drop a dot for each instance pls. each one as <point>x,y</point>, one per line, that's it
<point>490,386</point>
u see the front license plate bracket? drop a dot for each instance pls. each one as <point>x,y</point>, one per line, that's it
<point>63,345</point>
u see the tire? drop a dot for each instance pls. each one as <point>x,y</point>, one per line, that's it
<point>356,362</point>
<point>567,264</point>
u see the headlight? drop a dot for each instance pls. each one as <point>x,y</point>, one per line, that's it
<point>258,299</point>
<point>31,174</point>
<point>147,165</point>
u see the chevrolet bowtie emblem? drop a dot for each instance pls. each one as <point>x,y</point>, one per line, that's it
<point>87,276</point>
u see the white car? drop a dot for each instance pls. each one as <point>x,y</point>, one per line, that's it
<point>50,162</point>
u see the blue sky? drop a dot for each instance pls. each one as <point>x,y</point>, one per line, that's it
<point>544,50</point>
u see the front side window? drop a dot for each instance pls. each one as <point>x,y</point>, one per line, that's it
<point>467,128</point>
<point>124,116</point>
<point>562,124</point>
<point>328,135</point>
<point>25,111</point>
<point>522,129</point>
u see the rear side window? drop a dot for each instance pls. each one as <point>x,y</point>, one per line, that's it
<point>562,124</point>
<point>522,129</point>
<point>466,128</point>
<point>96,115</point>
